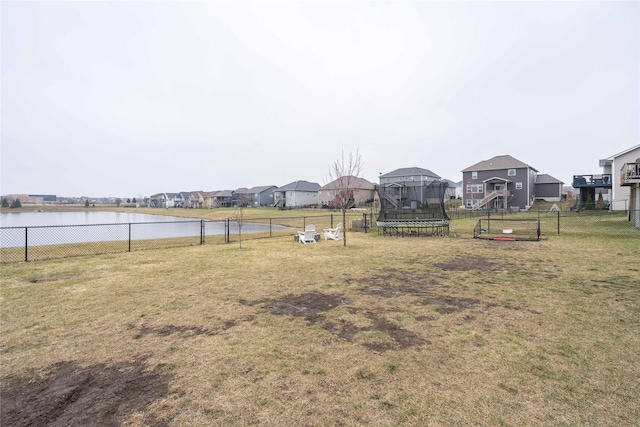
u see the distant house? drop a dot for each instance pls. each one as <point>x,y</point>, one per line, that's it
<point>414,174</point>
<point>222,199</point>
<point>622,190</point>
<point>502,182</point>
<point>548,188</point>
<point>406,188</point>
<point>412,203</point>
<point>184,196</point>
<point>201,199</point>
<point>297,194</point>
<point>254,196</point>
<point>454,190</point>
<point>166,200</point>
<point>241,197</point>
<point>263,195</point>
<point>363,192</point>
<point>195,200</point>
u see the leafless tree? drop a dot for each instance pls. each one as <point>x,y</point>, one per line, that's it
<point>344,174</point>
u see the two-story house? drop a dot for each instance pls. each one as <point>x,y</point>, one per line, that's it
<point>412,203</point>
<point>363,192</point>
<point>621,191</point>
<point>502,182</point>
<point>167,200</point>
<point>297,194</point>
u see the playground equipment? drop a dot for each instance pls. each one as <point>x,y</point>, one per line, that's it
<point>413,208</point>
<point>511,229</point>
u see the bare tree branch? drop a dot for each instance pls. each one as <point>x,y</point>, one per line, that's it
<point>344,175</point>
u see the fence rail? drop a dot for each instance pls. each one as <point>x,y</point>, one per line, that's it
<point>34,243</point>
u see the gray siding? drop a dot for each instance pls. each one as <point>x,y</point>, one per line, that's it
<point>518,197</point>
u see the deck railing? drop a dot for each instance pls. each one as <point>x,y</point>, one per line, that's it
<point>603,180</point>
<point>630,173</point>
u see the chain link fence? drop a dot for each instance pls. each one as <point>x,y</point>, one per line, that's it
<point>35,243</point>
<point>593,223</point>
<point>19,244</point>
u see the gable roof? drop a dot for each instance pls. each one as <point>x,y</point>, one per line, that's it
<point>498,163</point>
<point>543,178</point>
<point>223,193</point>
<point>262,188</point>
<point>409,172</point>
<point>300,186</point>
<point>356,183</point>
<point>243,190</point>
<point>609,160</point>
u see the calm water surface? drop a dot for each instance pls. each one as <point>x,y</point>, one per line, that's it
<point>48,228</point>
<point>32,219</point>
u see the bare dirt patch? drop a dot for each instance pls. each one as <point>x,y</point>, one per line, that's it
<point>387,290</point>
<point>165,331</point>
<point>467,263</point>
<point>311,306</point>
<point>386,285</point>
<point>399,337</point>
<point>72,395</point>
<point>447,305</point>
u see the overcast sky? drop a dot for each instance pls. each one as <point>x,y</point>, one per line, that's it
<point>130,99</point>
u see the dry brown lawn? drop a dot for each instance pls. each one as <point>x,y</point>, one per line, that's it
<point>387,331</point>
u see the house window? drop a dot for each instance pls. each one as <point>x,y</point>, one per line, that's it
<point>518,186</point>
<point>511,172</point>
<point>474,175</point>
<point>475,188</point>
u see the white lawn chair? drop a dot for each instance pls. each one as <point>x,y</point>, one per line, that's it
<point>308,235</point>
<point>333,233</point>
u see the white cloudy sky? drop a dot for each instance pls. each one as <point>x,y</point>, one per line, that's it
<point>135,98</point>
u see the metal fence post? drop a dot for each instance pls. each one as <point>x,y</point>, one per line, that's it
<point>558,223</point>
<point>270,228</point>
<point>129,237</point>
<point>26,244</point>
<point>226,231</point>
<point>202,231</point>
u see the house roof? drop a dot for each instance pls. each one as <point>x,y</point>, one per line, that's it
<point>223,193</point>
<point>243,190</point>
<point>498,163</point>
<point>300,186</point>
<point>543,178</point>
<point>610,159</point>
<point>262,188</point>
<point>409,172</point>
<point>356,183</point>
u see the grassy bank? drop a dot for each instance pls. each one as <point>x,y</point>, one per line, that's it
<point>435,331</point>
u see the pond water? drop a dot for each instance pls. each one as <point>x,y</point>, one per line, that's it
<point>32,219</point>
<point>48,228</point>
